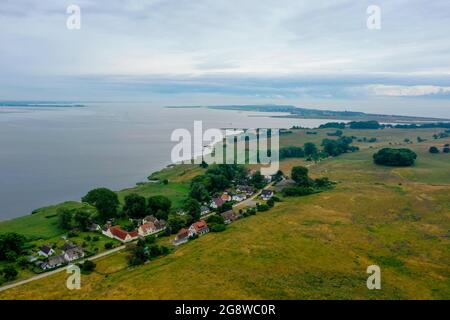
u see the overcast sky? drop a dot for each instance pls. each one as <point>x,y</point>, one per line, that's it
<point>249,48</point>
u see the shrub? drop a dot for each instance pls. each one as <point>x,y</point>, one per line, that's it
<point>9,273</point>
<point>395,157</point>
<point>433,149</point>
<point>88,266</point>
<point>109,245</point>
<point>217,227</point>
<point>263,207</point>
<point>297,191</point>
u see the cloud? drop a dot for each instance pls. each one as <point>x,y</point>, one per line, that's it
<point>407,91</point>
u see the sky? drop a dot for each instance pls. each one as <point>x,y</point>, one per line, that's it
<point>237,50</point>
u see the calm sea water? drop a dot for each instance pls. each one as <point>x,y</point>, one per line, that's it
<point>50,155</point>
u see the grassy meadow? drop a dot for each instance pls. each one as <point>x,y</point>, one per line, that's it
<point>313,247</point>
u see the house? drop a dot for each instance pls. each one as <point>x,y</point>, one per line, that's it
<point>268,178</point>
<point>216,203</point>
<point>266,194</point>
<point>225,197</point>
<point>147,229</point>
<point>230,216</point>
<point>204,210</point>
<point>116,232</point>
<point>182,237</point>
<point>150,218</point>
<point>54,262</point>
<point>160,224</point>
<point>239,197</point>
<point>68,245</point>
<point>31,259</point>
<point>74,253</point>
<point>95,227</point>
<point>199,228</point>
<point>46,251</point>
<point>248,190</point>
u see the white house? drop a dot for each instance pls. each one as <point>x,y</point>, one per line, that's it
<point>73,254</point>
<point>182,237</point>
<point>239,197</point>
<point>199,228</point>
<point>46,251</point>
<point>204,210</point>
<point>266,194</point>
<point>116,232</point>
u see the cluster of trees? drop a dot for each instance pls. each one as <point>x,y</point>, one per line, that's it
<point>424,125</point>
<point>304,185</point>
<point>12,245</point>
<point>105,200</point>
<point>337,125</point>
<point>145,250</point>
<point>216,223</point>
<point>395,157</point>
<point>441,135</point>
<point>365,125</point>
<point>434,149</point>
<point>337,133</point>
<point>334,148</point>
<point>79,218</point>
<point>137,206</point>
<point>87,266</point>
<point>215,179</point>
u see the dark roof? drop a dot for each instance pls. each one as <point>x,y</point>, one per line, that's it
<point>267,192</point>
<point>46,249</point>
<point>69,245</point>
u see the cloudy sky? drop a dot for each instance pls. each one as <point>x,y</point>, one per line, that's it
<point>264,49</point>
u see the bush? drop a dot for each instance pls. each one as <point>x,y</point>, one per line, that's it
<point>109,245</point>
<point>88,266</point>
<point>433,149</point>
<point>297,191</point>
<point>217,227</point>
<point>395,157</point>
<point>263,207</point>
<point>446,149</point>
<point>9,273</point>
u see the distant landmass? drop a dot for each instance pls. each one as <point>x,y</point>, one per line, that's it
<point>29,104</point>
<point>304,113</point>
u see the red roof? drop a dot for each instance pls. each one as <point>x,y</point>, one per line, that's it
<point>199,225</point>
<point>148,226</point>
<point>183,233</point>
<point>218,201</point>
<point>122,234</point>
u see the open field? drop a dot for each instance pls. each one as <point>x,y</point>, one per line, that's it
<point>314,247</point>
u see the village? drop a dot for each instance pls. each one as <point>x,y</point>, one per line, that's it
<point>229,205</point>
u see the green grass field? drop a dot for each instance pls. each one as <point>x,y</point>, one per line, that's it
<point>314,247</point>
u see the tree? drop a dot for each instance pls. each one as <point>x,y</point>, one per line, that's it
<point>11,245</point>
<point>88,266</point>
<point>225,207</point>
<point>365,125</point>
<point>215,219</point>
<point>300,175</point>
<point>175,223</point>
<point>258,180</point>
<point>135,206</point>
<point>395,157</point>
<point>105,200</point>
<point>9,273</point>
<point>82,219</point>
<point>199,192</point>
<point>64,218</point>
<point>433,149</point>
<point>310,149</point>
<point>158,203</point>
<point>446,149</point>
<point>192,207</point>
